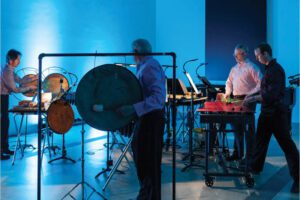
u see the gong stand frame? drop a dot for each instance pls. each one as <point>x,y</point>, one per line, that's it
<point>44,55</point>
<point>83,182</point>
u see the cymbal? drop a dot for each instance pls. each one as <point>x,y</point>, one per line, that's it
<point>102,91</point>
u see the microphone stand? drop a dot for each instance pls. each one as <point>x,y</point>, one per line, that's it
<point>191,154</point>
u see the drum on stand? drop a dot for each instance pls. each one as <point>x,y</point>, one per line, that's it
<point>60,116</point>
<point>107,87</point>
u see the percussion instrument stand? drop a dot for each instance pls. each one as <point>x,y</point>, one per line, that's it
<point>64,153</point>
<point>109,161</point>
<point>191,154</point>
<point>25,145</point>
<point>83,182</point>
<point>115,167</point>
<point>18,145</point>
<point>46,136</point>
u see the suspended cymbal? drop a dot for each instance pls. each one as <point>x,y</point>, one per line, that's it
<point>107,87</point>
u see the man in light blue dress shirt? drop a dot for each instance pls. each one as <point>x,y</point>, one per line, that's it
<point>8,85</point>
<point>148,135</point>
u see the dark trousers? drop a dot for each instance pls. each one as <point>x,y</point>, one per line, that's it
<point>4,122</point>
<point>147,153</point>
<point>239,135</point>
<point>277,124</point>
<point>240,129</point>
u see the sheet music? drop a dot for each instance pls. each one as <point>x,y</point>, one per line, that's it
<point>192,83</point>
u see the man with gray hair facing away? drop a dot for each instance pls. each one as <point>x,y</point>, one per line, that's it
<point>148,134</point>
<point>243,80</point>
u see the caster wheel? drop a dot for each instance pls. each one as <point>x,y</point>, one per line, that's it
<point>249,182</point>
<point>209,181</point>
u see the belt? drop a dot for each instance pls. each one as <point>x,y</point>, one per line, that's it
<point>239,96</point>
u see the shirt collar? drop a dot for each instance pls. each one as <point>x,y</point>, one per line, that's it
<point>9,67</point>
<point>143,61</point>
<point>245,61</point>
<point>271,63</point>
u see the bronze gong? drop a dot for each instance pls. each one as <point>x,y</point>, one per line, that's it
<point>53,83</point>
<point>31,83</point>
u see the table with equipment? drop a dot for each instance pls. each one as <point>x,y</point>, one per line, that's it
<point>222,113</point>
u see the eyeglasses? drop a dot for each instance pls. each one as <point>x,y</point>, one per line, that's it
<point>236,55</point>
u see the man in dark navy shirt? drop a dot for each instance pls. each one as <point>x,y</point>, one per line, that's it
<point>273,118</point>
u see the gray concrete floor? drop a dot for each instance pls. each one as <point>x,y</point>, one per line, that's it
<point>20,181</point>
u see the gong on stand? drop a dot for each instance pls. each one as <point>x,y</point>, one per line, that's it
<point>106,88</point>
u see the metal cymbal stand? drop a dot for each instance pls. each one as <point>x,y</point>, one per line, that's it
<point>83,182</point>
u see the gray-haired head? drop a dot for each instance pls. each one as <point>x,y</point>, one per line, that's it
<point>242,47</point>
<point>141,46</point>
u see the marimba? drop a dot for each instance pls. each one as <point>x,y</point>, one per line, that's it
<point>222,113</point>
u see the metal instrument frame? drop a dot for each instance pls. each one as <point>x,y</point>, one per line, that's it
<point>44,55</point>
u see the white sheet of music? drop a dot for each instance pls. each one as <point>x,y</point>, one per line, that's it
<point>192,83</point>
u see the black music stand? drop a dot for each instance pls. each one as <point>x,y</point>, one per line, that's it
<point>209,89</point>
<point>83,182</point>
<point>179,91</point>
<point>191,154</point>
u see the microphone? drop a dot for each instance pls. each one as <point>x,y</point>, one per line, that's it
<point>192,60</point>
<point>167,66</point>
<point>61,86</point>
<point>201,64</point>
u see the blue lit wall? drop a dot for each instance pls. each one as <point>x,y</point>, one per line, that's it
<point>38,26</point>
<point>180,27</point>
<point>283,35</point>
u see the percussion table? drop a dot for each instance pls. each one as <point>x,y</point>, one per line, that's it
<point>23,111</point>
<point>222,113</point>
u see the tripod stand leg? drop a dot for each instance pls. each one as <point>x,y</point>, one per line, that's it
<point>114,169</point>
<point>83,182</point>
<point>64,154</point>
<point>108,162</point>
